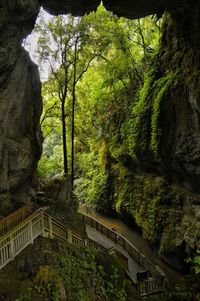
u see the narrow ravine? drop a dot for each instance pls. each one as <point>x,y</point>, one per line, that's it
<point>137,240</point>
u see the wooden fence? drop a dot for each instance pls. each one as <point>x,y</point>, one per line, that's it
<point>40,223</point>
<point>156,282</point>
<point>12,243</point>
<point>12,220</point>
<point>152,285</point>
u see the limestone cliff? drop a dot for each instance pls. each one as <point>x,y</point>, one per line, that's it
<point>20,102</point>
<point>166,142</point>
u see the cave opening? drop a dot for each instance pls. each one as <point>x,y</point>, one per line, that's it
<point>124,98</point>
<point>136,40</point>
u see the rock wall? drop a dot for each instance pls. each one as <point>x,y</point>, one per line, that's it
<point>167,216</point>
<point>167,147</point>
<point>179,119</point>
<point>20,103</point>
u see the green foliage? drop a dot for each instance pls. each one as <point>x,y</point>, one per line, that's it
<point>195,262</point>
<point>161,87</point>
<point>74,273</point>
<point>44,291</point>
<point>96,187</point>
<point>110,87</point>
<point>121,52</point>
<point>142,130</point>
<point>50,166</point>
<point>148,201</point>
<point>135,129</point>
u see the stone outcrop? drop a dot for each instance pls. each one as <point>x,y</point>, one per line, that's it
<point>76,8</point>
<point>179,119</point>
<point>20,103</point>
<point>170,147</point>
<point>134,9</point>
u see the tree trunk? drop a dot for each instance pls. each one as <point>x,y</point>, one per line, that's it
<point>72,162</point>
<point>73,111</point>
<point>65,162</point>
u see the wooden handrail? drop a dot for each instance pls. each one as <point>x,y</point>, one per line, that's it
<point>148,286</point>
<point>10,221</point>
<point>154,284</point>
<point>20,237</point>
<point>66,229</point>
<point>40,223</point>
<point>138,256</point>
<point>18,226</point>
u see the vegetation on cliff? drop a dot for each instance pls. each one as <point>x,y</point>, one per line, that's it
<point>121,135</point>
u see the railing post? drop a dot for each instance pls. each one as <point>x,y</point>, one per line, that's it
<point>115,238</point>
<point>12,252</point>
<point>42,222</point>
<point>50,227</point>
<point>69,236</point>
<point>31,231</point>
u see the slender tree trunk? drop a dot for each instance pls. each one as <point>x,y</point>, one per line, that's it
<point>73,126</point>
<point>73,113</point>
<point>64,139</point>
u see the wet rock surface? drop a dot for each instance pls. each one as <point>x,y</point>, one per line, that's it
<point>20,100</point>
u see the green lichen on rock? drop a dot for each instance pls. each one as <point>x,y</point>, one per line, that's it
<point>154,206</point>
<point>135,130</point>
<point>143,128</point>
<point>160,89</point>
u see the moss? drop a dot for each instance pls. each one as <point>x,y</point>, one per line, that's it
<point>148,200</point>
<point>142,129</point>
<point>161,88</point>
<point>139,111</point>
<point>103,155</point>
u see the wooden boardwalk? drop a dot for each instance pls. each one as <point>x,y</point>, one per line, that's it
<point>99,238</point>
<point>23,230</point>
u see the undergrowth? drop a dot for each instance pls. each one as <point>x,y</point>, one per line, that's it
<point>67,272</point>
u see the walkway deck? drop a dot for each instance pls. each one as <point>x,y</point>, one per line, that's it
<point>133,267</point>
<point>99,237</point>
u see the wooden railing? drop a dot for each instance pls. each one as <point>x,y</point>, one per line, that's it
<point>12,220</point>
<point>54,228</point>
<point>40,223</point>
<point>12,243</point>
<point>123,259</point>
<point>154,284</point>
<point>150,286</point>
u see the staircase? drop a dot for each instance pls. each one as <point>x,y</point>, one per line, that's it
<point>21,228</point>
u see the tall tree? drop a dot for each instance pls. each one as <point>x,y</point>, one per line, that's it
<point>62,44</point>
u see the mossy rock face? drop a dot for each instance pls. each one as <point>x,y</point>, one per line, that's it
<point>162,133</point>
<point>167,216</point>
